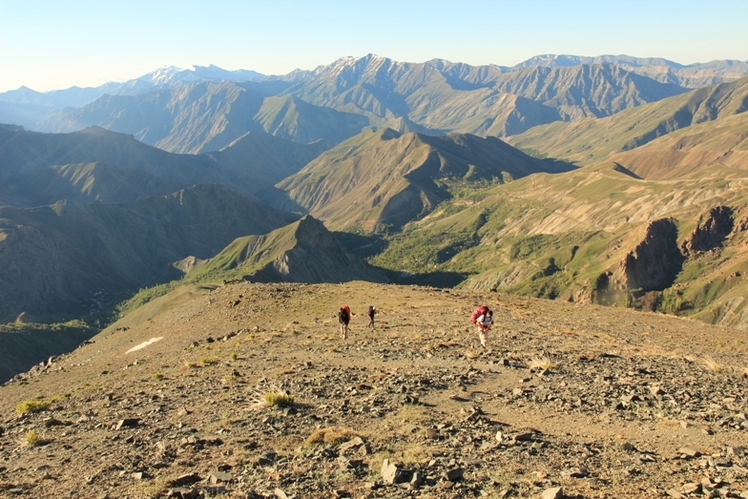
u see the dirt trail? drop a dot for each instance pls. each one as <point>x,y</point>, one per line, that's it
<point>599,401</point>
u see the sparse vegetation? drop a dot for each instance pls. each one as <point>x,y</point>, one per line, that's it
<point>334,435</point>
<point>32,439</point>
<point>711,364</point>
<point>543,363</point>
<point>31,406</point>
<point>186,366</point>
<point>278,399</point>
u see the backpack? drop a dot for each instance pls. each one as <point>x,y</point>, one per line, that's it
<point>371,311</point>
<point>477,313</point>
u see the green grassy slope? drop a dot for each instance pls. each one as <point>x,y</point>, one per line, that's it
<point>555,235</point>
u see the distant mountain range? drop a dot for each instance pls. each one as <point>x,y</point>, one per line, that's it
<point>205,108</point>
<point>587,182</point>
<point>689,76</point>
<point>97,165</point>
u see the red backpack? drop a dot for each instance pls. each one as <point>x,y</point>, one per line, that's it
<point>477,313</point>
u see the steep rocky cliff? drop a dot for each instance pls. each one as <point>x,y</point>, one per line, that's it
<point>652,265</point>
<point>711,231</point>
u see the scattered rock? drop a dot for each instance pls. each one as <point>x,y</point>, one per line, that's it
<point>393,473</point>
<point>128,423</point>
<point>553,493</point>
<point>454,474</point>
<point>184,493</point>
<point>688,453</point>
<point>186,479</point>
<point>576,473</point>
<point>217,477</point>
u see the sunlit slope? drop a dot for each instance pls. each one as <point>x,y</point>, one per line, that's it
<point>592,140</point>
<point>386,179</point>
<point>595,234</point>
<point>719,145</point>
<point>304,251</point>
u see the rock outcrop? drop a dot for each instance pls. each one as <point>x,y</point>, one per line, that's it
<point>711,231</point>
<point>652,265</point>
<point>304,251</point>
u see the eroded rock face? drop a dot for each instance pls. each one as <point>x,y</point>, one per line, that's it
<point>711,231</point>
<point>656,260</point>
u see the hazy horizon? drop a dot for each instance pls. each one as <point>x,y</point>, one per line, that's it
<point>46,45</point>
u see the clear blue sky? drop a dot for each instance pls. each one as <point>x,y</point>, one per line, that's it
<point>48,44</point>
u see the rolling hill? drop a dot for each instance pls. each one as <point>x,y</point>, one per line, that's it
<point>98,165</point>
<point>304,251</point>
<point>592,141</point>
<point>57,258</point>
<point>384,179</point>
<point>597,234</point>
<point>656,180</point>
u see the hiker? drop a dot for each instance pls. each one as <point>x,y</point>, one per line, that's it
<point>344,317</point>
<point>371,312</point>
<point>483,318</point>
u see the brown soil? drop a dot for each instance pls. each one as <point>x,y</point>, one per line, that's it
<point>602,402</point>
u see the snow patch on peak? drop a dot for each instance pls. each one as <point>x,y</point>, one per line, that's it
<point>164,75</point>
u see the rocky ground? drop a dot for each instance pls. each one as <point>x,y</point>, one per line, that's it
<point>567,401</point>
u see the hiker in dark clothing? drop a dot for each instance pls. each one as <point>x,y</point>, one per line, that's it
<point>344,317</point>
<point>371,312</point>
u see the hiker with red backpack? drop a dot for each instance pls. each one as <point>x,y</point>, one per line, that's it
<point>482,317</point>
<point>344,317</point>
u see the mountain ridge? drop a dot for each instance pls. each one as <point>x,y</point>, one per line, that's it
<point>385,178</point>
<point>434,97</point>
<point>303,251</point>
<point>55,257</point>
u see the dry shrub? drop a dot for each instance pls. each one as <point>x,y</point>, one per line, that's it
<point>711,364</point>
<point>278,399</point>
<point>32,439</point>
<point>36,405</point>
<point>541,363</point>
<point>334,435</point>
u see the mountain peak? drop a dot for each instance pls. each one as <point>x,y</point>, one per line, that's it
<point>565,60</point>
<point>163,75</point>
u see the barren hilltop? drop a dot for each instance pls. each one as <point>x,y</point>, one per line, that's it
<point>247,390</point>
